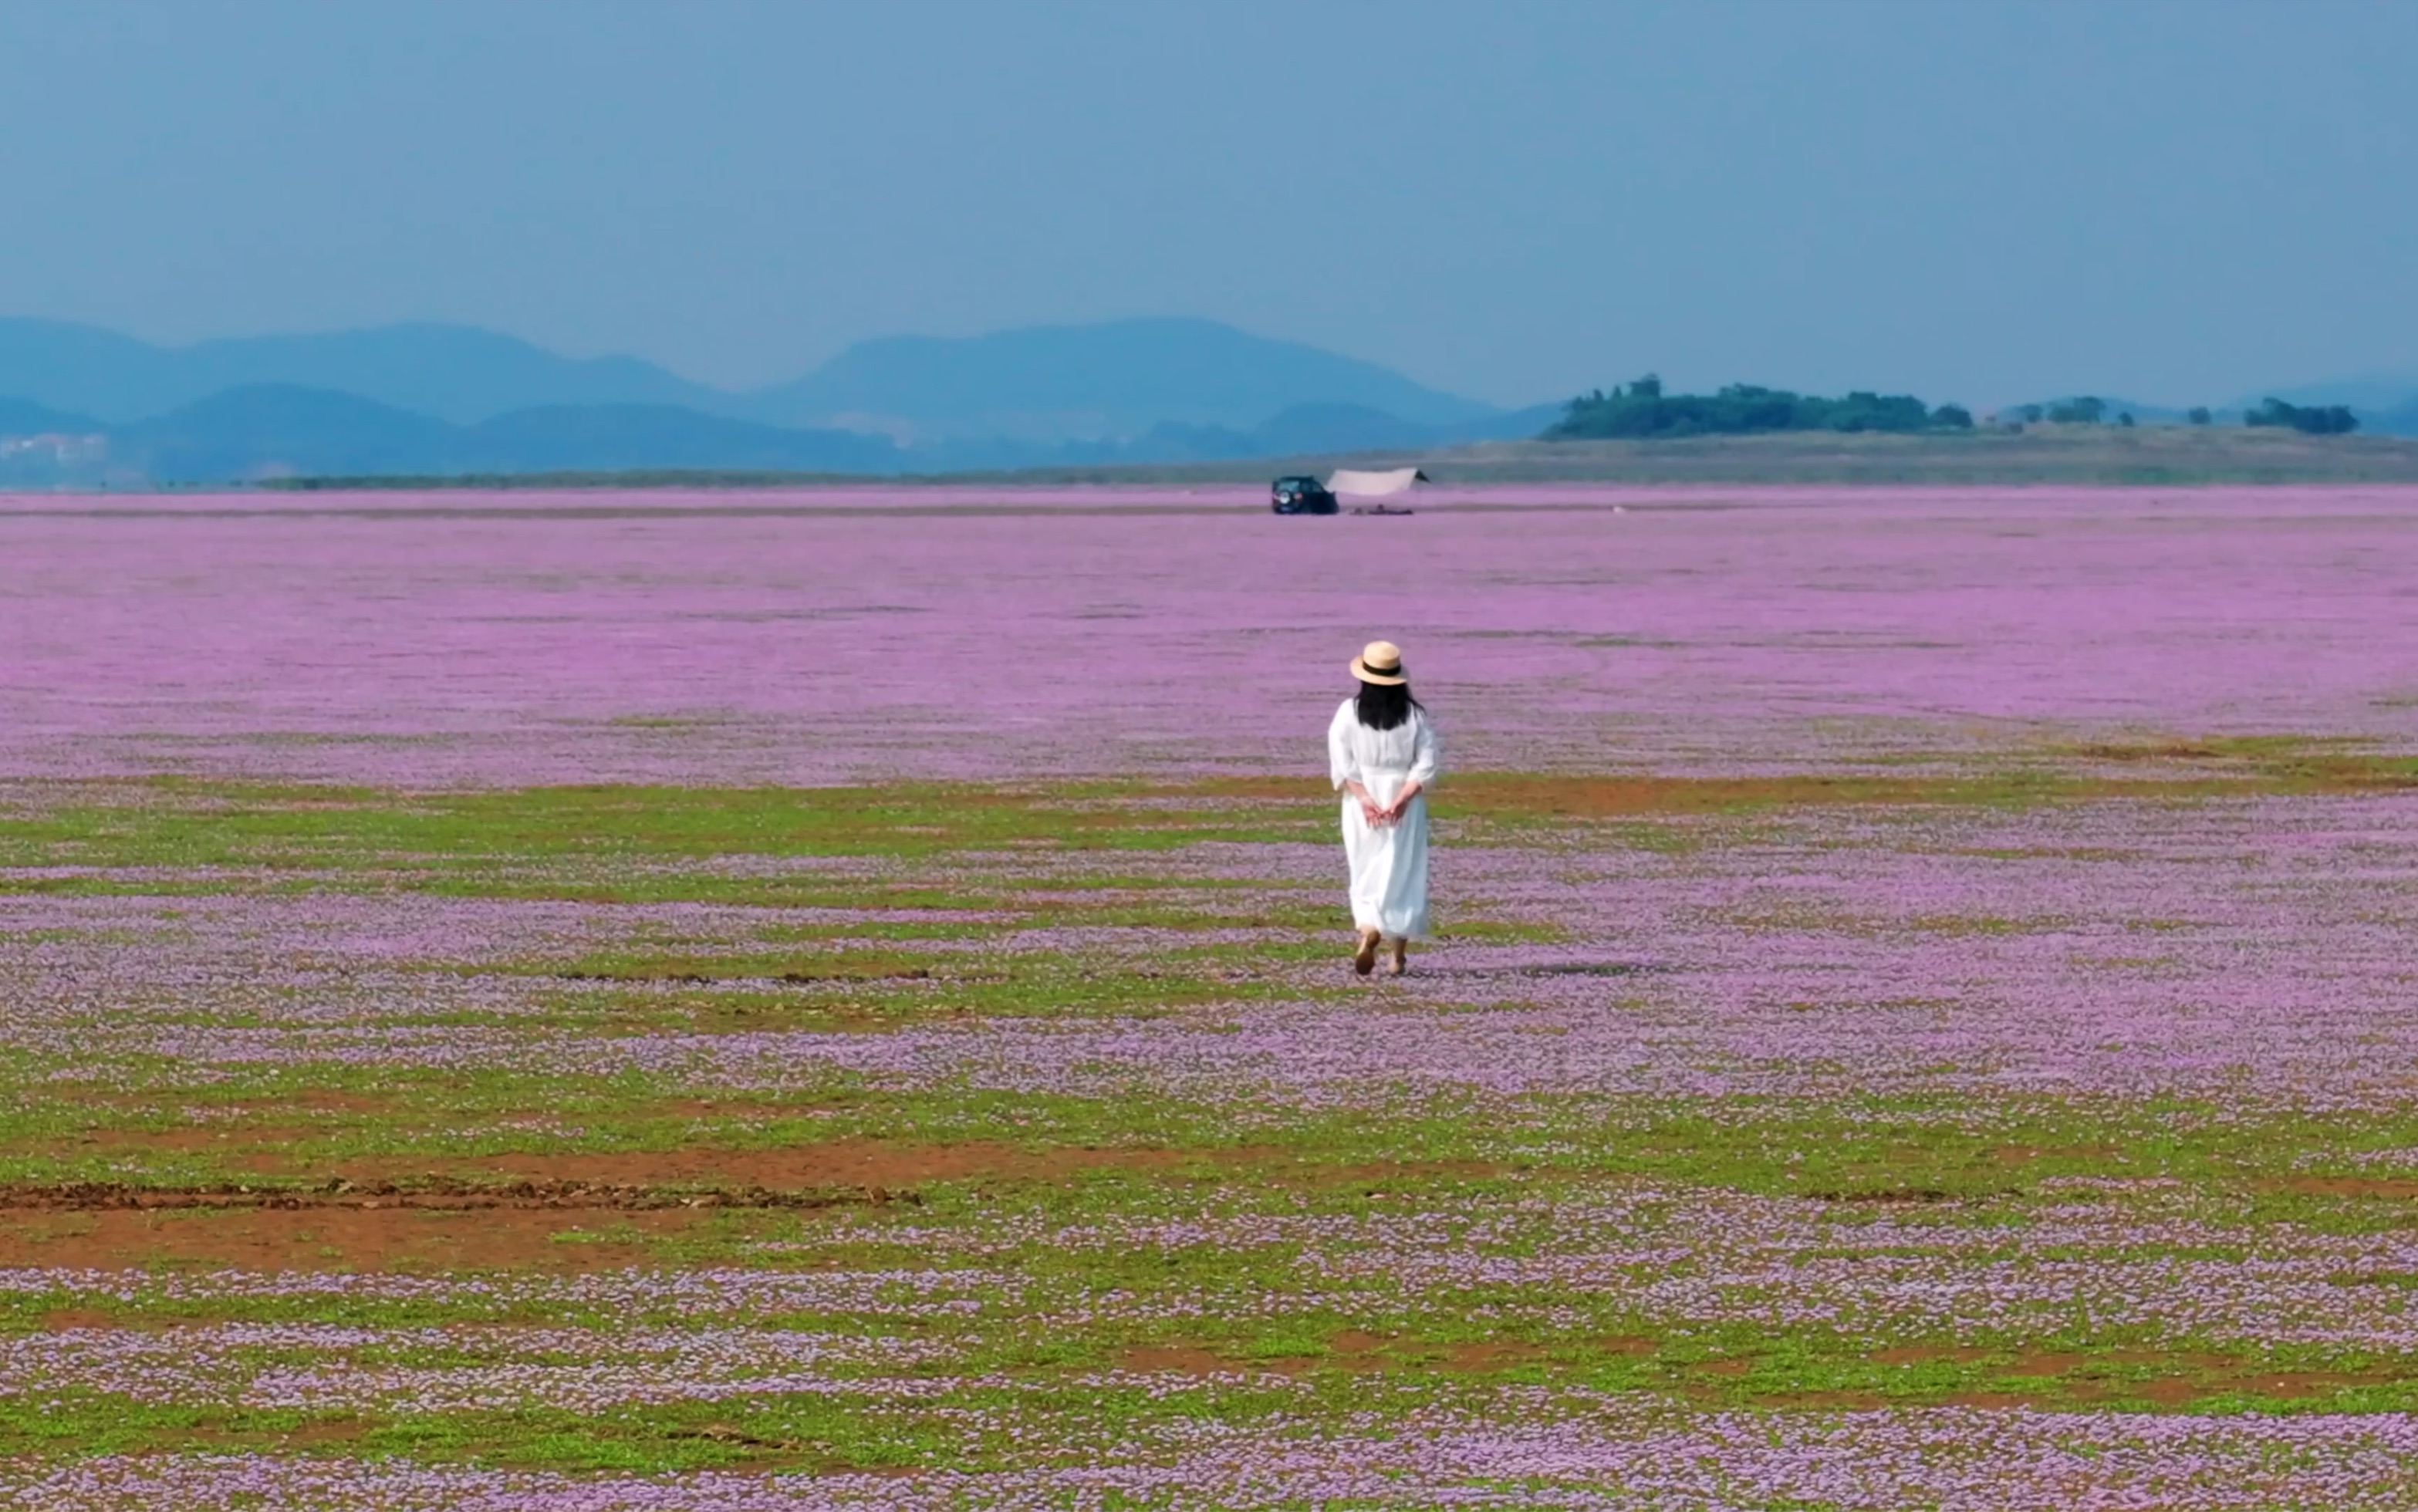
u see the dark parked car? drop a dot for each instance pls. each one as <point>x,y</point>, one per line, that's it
<point>1300,495</point>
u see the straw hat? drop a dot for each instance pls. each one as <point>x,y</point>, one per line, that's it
<point>1379,662</point>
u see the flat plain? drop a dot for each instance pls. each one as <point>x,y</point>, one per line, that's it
<point>836,998</point>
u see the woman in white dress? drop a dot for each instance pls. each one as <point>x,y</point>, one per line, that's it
<point>1381,749</point>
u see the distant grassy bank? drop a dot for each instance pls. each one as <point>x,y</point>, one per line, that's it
<point>2147,455</point>
<point>2041,454</point>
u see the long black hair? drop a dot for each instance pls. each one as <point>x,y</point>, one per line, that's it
<point>1382,707</point>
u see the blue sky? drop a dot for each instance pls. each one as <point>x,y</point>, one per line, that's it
<point>1975,201</point>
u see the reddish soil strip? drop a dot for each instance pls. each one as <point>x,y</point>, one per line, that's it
<point>423,1240</point>
<point>886,1165</point>
<point>433,1224</point>
<point>574,1212</point>
<point>433,1193</point>
<point>871,1163</point>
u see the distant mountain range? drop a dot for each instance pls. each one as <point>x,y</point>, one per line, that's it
<point>453,373</point>
<point>80,405</point>
<point>1056,384</point>
<point>267,429</point>
<point>431,397</point>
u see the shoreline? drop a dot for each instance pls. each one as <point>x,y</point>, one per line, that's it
<point>2100,456</point>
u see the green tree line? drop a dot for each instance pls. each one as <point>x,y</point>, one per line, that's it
<point>1643,411</point>
<point>2316,419</point>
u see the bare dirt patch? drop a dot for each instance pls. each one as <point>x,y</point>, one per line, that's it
<point>432,1193</point>
<point>344,1226</point>
<point>349,1198</point>
<point>340,1239</point>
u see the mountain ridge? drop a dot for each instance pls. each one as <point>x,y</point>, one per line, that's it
<point>1100,381</point>
<point>266,431</point>
<point>461,373</point>
<point>1110,380</point>
<point>278,430</point>
<point>427,397</point>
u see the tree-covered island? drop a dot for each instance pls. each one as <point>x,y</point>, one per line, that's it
<point>1643,411</point>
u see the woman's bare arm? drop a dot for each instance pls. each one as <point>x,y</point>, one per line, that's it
<point>1369,809</point>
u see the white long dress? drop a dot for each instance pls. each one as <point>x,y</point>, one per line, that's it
<point>1388,862</point>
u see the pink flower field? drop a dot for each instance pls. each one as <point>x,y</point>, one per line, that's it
<point>585,1002</point>
<point>865,635</point>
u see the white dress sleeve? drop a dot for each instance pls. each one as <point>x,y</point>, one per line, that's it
<point>1426,752</point>
<point>1342,761</point>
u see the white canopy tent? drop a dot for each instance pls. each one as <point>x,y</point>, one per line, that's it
<point>1348,483</point>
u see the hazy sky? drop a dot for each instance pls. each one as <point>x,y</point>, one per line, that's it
<point>1970,200</point>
